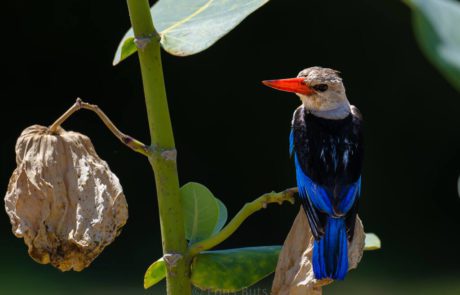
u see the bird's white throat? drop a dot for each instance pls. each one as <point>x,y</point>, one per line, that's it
<point>329,105</point>
<point>340,112</point>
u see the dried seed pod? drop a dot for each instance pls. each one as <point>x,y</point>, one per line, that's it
<point>63,199</point>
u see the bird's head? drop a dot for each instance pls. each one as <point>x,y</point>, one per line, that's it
<point>320,89</point>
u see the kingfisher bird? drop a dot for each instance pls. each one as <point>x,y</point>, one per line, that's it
<point>326,141</point>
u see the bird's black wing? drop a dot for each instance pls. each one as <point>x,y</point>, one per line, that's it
<point>357,127</point>
<point>350,220</point>
<point>316,218</point>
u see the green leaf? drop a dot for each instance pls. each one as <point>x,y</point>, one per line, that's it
<point>235,269</point>
<point>155,273</point>
<point>187,27</point>
<point>201,212</point>
<point>223,215</point>
<point>372,242</point>
<point>436,25</point>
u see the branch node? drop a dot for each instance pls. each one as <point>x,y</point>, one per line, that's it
<point>126,139</point>
<point>171,260</point>
<point>142,41</point>
<point>169,154</point>
<point>79,102</point>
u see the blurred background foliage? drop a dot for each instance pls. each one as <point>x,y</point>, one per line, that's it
<point>436,28</point>
<point>232,133</point>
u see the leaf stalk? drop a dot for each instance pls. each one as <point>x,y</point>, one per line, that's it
<point>247,210</point>
<point>129,141</point>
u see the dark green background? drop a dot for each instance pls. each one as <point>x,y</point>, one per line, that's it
<point>232,133</point>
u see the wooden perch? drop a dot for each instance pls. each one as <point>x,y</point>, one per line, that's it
<point>294,272</point>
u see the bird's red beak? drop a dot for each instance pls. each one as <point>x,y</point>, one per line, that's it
<point>296,85</point>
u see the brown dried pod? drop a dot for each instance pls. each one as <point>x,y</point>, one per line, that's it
<point>294,272</point>
<point>63,199</point>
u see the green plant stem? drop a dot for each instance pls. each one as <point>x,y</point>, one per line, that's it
<point>247,210</point>
<point>163,159</point>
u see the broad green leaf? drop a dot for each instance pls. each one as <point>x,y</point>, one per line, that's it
<point>372,242</point>
<point>187,27</point>
<point>436,25</point>
<point>155,273</point>
<point>234,269</point>
<point>201,211</point>
<point>223,215</point>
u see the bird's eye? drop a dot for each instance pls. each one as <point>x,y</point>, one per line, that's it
<point>320,87</point>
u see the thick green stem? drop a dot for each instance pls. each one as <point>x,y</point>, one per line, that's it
<point>163,159</point>
<point>247,210</point>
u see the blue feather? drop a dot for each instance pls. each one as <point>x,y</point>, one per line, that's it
<point>330,253</point>
<point>308,189</point>
<point>347,200</point>
<point>320,197</point>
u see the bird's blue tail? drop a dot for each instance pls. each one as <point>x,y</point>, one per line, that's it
<point>330,253</point>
